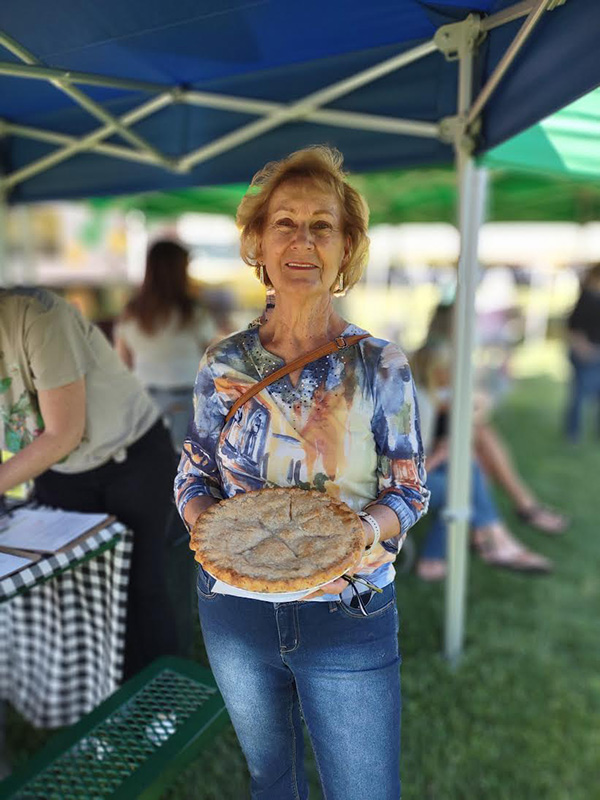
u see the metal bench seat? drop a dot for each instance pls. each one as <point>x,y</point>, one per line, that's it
<point>132,744</point>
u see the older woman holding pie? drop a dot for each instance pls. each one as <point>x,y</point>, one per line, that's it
<point>344,426</point>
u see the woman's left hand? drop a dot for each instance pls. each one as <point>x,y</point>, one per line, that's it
<point>337,586</point>
<point>368,562</point>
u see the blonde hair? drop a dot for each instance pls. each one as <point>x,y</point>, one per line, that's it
<point>433,359</point>
<point>323,166</point>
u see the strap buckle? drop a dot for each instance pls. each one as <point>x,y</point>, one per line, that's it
<point>340,342</point>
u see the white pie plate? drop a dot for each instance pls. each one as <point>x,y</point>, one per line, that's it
<point>220,587</point>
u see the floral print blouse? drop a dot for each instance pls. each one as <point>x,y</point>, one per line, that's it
<point>349,427</point>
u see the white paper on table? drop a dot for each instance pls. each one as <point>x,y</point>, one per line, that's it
<point>10,564</point>
<point>46,530</point>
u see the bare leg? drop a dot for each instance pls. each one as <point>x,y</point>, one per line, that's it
<point>431,569</point>
<point>499,466</point>
<point>496,546</point>
<point>497,463</point>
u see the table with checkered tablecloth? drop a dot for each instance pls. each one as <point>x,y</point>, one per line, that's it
<point>62,629</point>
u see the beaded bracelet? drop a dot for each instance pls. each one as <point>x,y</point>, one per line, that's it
<point>370,519</point>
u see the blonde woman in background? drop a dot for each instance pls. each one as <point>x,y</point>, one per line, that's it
<point>490,535</point>
<point>492,452</point>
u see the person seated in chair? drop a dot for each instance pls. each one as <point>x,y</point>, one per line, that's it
<point>490,536</point>
<point>491,451</point>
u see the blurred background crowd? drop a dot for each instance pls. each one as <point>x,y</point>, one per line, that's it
<point>94,254</point>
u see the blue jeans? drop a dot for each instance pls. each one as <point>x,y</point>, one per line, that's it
<point>279,663</point>
<point>483,508</point>
<point>585,384</point>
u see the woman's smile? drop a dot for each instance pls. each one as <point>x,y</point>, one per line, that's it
<point>301,265</point>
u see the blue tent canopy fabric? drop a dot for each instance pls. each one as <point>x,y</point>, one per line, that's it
<point>560,65</point>
<point>269,51</point>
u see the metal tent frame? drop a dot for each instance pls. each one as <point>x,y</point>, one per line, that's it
<point>457,41</point>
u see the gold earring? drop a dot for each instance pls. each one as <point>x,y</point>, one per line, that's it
<point>339,288</point>
<point>261,273</point>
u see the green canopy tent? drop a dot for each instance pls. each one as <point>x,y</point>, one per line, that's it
<point>423,195</point>
<point>566,143</point>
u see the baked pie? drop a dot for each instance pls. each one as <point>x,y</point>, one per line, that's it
<point>278,540</point>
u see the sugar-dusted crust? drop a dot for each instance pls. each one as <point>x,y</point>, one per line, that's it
<point>278,540</point>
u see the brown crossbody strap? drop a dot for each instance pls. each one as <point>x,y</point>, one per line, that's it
<point>339,343</point>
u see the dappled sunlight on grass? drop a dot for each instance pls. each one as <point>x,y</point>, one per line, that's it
<point>540,358</point>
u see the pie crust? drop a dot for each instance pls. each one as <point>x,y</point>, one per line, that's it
<point>278,540</point>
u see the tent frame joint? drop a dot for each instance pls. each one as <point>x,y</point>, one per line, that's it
<point>454,131</point>
<point>457,38</point>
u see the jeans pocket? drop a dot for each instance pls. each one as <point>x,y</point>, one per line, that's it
<point>378,604</point>
<point>204,584</point>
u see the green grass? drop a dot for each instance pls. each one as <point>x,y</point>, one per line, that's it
<point>519,719</point>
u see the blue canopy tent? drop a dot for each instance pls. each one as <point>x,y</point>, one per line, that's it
<point>128,96</point>
<point>203,93</point>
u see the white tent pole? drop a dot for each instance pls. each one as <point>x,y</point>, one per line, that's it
<point>43,73</point>
<point>373,122</point>
<point>342,119</point>
<point>306,105</point>
<point>472,188</point>
<point>508,15</point>
<point>457,510</point>
<point>472,202</point>
<point>91,139</point>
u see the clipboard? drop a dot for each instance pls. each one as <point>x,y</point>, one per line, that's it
<point>110,518</point>
<point>27,531</point>
<point>13,551</point>
<point>13,561</point>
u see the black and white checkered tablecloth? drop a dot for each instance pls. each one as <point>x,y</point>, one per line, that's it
<point>61,640</point>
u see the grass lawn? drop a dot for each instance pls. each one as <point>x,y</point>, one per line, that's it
<point>520,717</point>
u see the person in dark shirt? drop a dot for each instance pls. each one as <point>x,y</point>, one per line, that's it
<point>583,336</point>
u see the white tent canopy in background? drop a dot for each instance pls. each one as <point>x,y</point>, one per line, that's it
<point>539,245</point>
<point>426,243</point>
<point>535,245</point>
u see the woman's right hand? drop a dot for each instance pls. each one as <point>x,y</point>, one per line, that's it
<point>194,509</point>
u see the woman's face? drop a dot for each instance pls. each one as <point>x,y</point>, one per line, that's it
<point>303,245</point>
